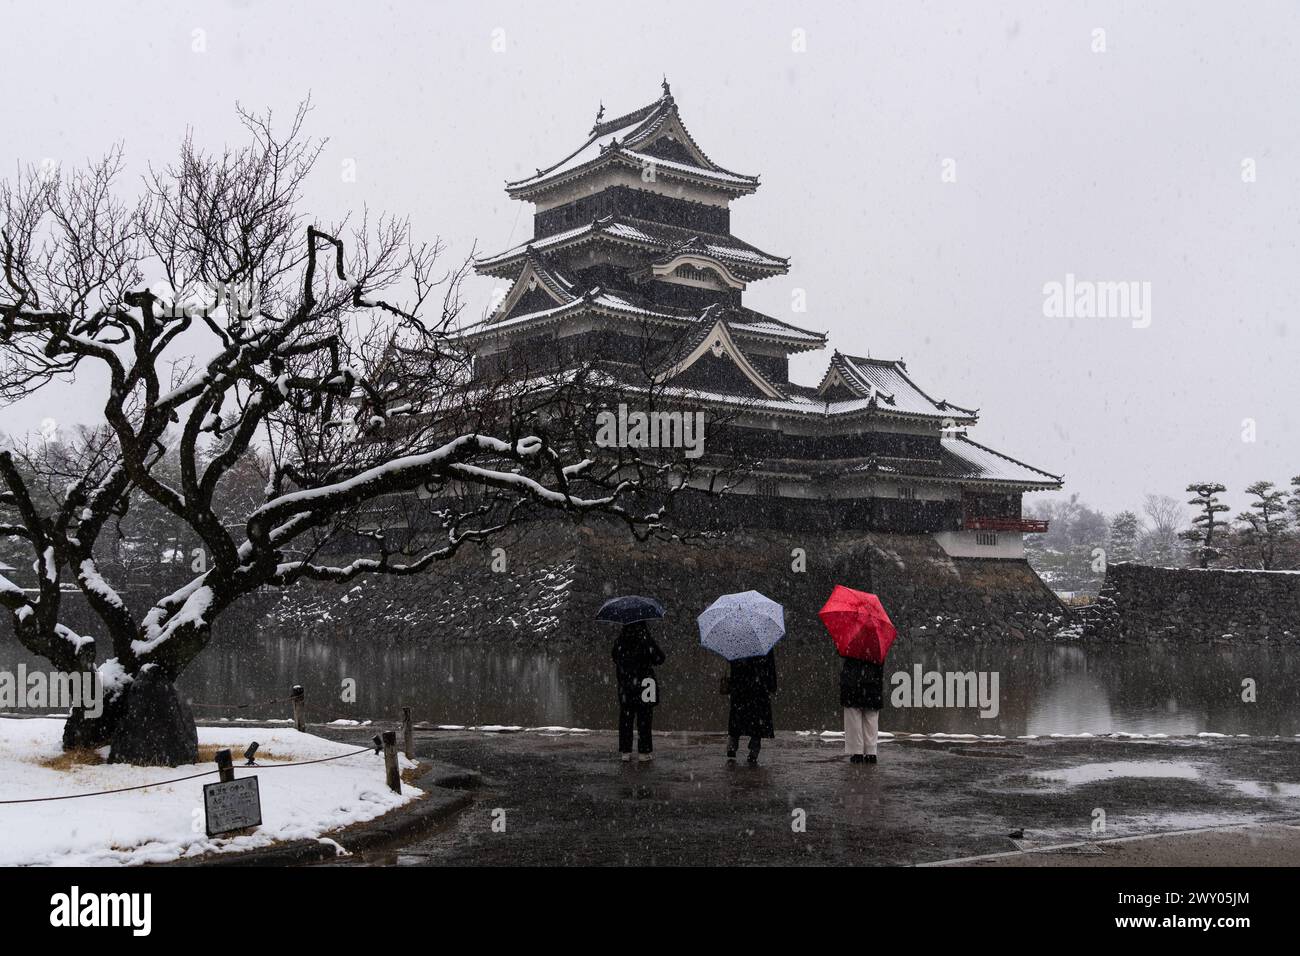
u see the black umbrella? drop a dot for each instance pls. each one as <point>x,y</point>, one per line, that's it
<point>629,609</point>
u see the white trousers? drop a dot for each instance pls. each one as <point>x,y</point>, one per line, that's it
<point>860,729</point>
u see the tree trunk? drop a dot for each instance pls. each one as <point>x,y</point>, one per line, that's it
<point>83,732</point>
<point>152,724</point>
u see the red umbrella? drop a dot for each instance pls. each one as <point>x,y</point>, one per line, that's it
<point>858,623</point>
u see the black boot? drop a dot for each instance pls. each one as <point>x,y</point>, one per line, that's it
<point>870,758</point>
<point>856,758</point>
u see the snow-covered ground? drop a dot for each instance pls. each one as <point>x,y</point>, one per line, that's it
<point>166,822</point>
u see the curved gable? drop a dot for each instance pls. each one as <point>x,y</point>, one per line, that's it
<point>719,344</point>
<point>680,264</point>
<point>535,289</point>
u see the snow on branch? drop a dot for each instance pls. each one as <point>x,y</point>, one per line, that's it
<point>332,395</point>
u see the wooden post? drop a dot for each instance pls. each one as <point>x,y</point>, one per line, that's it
<point>299,708</point>
<point>225,766</point>
<point>408,734</point>
<point>390,761</point>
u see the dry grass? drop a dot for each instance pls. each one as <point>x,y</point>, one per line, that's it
<point>414,774</point>
<point>208,754</point>
<point>71,759</point>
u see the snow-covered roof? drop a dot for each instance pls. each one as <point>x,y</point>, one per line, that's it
<point>749,322</point>
<point>712,333</point>
<point>535,273</point>
<point>994,465</point>
<point>744,322</point>
<point>631,139</point>
<point>871,386</point>
<point>653,237</point>
<point>591,299</point>
<point>798,403</point>
<point>887,380</point>
<point>961,459</point>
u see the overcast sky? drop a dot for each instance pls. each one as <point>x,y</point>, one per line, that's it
<point>1125,164</point>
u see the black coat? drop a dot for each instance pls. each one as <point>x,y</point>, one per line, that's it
<point>753,681</point>
<point>635,656</point>
<point>862,684</point>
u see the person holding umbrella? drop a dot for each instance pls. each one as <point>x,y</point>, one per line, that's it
<point>743,629</point>
<point>636,654</point>
<point>862,696</point>
<point>863,634</point>
<point>752,682</point>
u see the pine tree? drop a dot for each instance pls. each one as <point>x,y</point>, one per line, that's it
<point>1205,524</point>
<point>1124,530</point>
<point>1266,522</point>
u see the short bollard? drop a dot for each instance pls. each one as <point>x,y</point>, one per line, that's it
<point>225,766</point>
<point>299,697</point>
<point>390,761</point>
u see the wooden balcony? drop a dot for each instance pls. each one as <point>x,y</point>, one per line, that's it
<point>1023,525</point>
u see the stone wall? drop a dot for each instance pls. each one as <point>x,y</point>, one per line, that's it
<point>1190,605</point>
<point>556,576</point>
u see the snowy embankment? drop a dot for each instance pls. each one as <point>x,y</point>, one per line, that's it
<point>165,823</point>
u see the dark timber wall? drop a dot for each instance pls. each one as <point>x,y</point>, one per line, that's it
<point>1193,606</point>
<point>556,577</point>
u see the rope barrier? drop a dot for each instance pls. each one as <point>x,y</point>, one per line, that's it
<point>263,703</point>
<point>193,776</point>
<point>303,763</point>
<point>101,793</point>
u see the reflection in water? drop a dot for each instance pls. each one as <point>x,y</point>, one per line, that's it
<point>1070,700</point>
<point>1045,688</point>
<point>1098,772</point>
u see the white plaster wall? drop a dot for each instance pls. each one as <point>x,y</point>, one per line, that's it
<point>961,544</point>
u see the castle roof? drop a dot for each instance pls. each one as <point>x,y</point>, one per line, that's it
<point>961,460</point>
<point>653,135</point>
<point>887,380</point>
<point>661,240</point>
<point>799,404</point>
<point>570,302</point>
<point>711,334</point>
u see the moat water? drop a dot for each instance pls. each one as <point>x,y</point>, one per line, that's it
<point>1042,688</point>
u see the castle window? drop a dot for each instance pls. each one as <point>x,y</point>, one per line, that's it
<point>907,491</point>
<point>695,274</point>
<point>986,538</point>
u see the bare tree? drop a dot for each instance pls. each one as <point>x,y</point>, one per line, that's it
<point>232,329</point>
<point>1166,517</point>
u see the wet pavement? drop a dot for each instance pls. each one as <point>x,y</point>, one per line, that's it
<point>1258,844</point>
<point>565,798</point>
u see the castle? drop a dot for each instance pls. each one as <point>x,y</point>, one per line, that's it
<point>632,264</point>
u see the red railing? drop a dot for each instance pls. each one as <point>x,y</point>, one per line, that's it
<point>1026,525</point>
